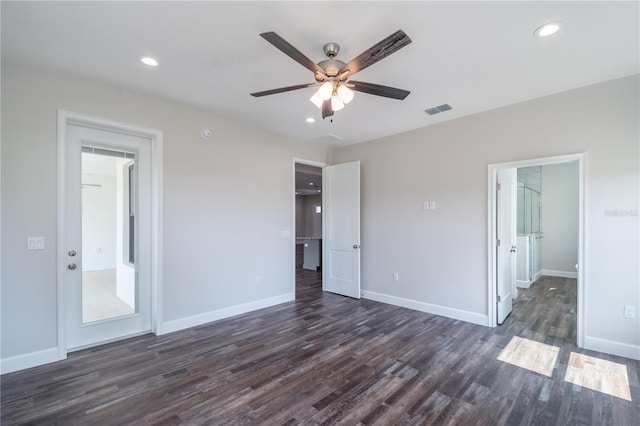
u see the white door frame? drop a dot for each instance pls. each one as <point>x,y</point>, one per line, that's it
<point>491,232</point>
<point>67,117</point>
<point>293,192</point>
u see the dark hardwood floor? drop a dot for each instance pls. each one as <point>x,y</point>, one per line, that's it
<point>327,359</point>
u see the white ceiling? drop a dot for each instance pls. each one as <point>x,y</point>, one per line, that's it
<point>474,56</point>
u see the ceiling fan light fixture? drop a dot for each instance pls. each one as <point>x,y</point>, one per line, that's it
<point>336,103</point>
<point>326,90</point>
<point>346,94</point>
<point>316,100</point>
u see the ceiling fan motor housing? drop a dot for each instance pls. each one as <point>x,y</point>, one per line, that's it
<point>330,66</point>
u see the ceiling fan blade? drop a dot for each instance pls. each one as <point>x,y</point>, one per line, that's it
<point>283,89</point>
<point>291,51</point>
<point>378,89</point>
<point>377,52</point>
<point>327,111</point>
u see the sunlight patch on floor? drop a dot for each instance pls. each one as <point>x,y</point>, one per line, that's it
<point>599,375</point>
<point>534,356</point>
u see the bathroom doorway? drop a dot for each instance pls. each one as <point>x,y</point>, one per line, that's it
<point>550,248</point>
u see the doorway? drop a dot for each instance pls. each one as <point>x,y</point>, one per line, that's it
<point>308,228</point>
<point>532,227</point>
<point>338,230</point>
<point>108,229</point>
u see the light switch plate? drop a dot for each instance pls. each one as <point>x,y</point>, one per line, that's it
<point>35,243</point>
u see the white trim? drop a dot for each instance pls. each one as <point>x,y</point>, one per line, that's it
<point>28,360</point>
<point>61,234</point>
<point>430,308</point>
<point>195,320</point>
<point>156,137</point>
<point>105,342</point>
<point>560,274</point>
<point>293,191</point>
<point>537,276</point>
<point>611,347</point>
<point>157,233</point>
<point>523,284</point>
<point>491,232</point>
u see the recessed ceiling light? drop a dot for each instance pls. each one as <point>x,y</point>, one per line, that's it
<point>148,60</point>
<point>547,29</point>
<point>310,120</point>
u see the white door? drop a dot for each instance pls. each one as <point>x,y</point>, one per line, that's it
<point>341,229</point>
<point>107,236</point>
<point>506,241</point>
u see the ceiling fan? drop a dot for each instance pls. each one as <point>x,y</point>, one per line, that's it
<point>332,75</point>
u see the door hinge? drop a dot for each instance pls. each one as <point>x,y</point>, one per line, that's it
<point>499,299</point>
<point>498,242</point>
<point>498,186</point>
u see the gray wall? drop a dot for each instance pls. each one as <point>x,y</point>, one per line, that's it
<point>223,196</point>
<point>213,207</point>
<point>560,218</point>
<point>300,218</point>
<point>313,220</point>
<point>441,255</point>
<point>308,222</point>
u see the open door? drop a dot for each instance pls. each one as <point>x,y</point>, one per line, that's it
<point>506,241</point>
<point>341,229</point>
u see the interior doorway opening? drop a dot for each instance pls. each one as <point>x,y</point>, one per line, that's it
<point>550,234</point>
<point>308,227</point>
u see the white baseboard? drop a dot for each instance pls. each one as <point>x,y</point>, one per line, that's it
<point>523,284</point>
<point>611,347</point>
<point>561,274</point>
<point>444,311</point>
<point>31,359</point>
<point>195,320</point>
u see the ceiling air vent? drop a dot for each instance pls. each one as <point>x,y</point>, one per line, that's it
<point>329,138</point>
<point>438,109</point>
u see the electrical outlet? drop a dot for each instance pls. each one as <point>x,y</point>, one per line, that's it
<point>629,311</point>
<point>396,276</point>
<point>258,279</point>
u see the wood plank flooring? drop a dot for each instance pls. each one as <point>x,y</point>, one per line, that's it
<point>326,359</point>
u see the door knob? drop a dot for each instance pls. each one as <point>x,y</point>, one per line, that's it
<point>71,253</point>
<point>513,249</point>
<point>72,266</point>
<point>355,246</point>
